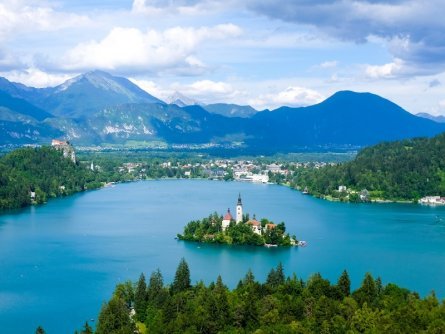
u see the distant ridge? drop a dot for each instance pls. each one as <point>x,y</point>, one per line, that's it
<point>438,119</point>
<point>181,100</point>
<point>230,110</point>
<point>97,108</point>
<point>345,118</point>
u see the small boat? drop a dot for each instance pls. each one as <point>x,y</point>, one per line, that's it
<point>302,243</point>
<point>305,191</point>
<point>270,245</point>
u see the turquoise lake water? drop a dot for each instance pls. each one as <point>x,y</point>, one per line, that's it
<point>60,261</point>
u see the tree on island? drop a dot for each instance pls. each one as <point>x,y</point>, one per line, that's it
<point>209,230</point>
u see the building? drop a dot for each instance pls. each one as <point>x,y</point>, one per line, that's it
<point>227,219</point>
<point>364,195</point>
<point>342,188</point>
<point>270,226</point>
<point>239,210</point>
<point>66,148</point>
<point>255,225</point>
<point>432,200</point>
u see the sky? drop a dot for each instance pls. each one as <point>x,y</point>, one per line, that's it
<point>265,53</point>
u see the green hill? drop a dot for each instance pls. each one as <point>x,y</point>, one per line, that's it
<point>402,170</point>
<point>279,305</point>
<point>43,171</point>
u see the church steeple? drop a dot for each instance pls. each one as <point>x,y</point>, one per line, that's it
<point>239,210</point>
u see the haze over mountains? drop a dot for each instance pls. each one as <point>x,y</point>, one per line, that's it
<point>97,108</point>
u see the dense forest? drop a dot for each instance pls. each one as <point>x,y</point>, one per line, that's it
<point>279,305</point>
<point>402,170</point>
<point>209,230</point>
<point>43,171</point>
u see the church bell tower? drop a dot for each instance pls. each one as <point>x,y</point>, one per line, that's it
<point>239,210</point>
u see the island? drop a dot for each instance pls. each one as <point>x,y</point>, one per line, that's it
<point>240,230</point>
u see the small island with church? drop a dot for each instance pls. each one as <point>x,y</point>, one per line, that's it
<point>240,230</point>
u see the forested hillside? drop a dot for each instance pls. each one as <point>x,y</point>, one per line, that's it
<point>407,170</point>
<point>41,170</point>
<point>279,305</point>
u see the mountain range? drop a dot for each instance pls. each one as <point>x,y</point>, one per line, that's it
<point>97,108</point>
<point>438,119</point>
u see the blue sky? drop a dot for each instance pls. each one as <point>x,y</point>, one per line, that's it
<point>260,52</point>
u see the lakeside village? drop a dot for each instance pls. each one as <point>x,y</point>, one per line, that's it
<point>255,171</point>
<point>238,230</point>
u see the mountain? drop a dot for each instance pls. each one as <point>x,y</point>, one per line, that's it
<point>25,131</point>
<point>22,107</point>
<point>21,91</point>
<point>21,122</point>
<point>438,119</point>
<point>145,122</point>
<point>344,119</point>
<point>181,100</point>
<point>98,108</point>
<point>230,110</point>
<point>91,92</point>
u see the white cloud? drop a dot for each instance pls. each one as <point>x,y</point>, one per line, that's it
<point>152,88</point>
<point>29,16</point>
<point>293,96</point>
<point>386,71</point>
<point>329,64</point>
<point>180,7</point>
<point>134,50</point>
<point>36,78</point>
<point>207,91</point>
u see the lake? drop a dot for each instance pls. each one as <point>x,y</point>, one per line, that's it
<point>61,261</point>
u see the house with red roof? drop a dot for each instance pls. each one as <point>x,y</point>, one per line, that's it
<point>255,225</point>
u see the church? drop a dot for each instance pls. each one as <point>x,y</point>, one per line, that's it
<point>253,223</point>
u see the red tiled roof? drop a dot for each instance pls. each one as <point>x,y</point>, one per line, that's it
<point>228,215</point>
<point>254,222</point>
<point>270,226</point>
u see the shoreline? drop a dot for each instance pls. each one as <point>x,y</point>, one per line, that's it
<point>326,198</point>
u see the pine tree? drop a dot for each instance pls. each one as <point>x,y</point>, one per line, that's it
<point>276,277</point>
<point>249,278</point>
<point>40,330</point>
<point>367,293</point>
<point>280,278</point>
<point>344,284</point>
<point>87,329</point>
<point>220,293</point>
<point>182,277</point>
<point>140,298</point>
<point>114,318</point>
<point>155,289</point>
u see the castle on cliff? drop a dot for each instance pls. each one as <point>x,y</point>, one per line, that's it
<point>66,148</point>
